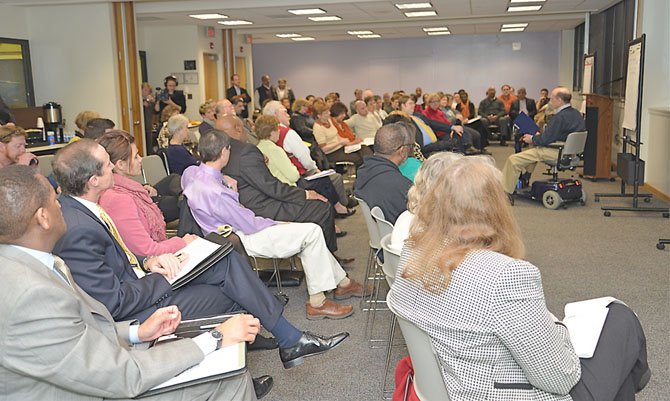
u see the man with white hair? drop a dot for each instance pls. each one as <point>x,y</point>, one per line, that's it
<point>364,123</point>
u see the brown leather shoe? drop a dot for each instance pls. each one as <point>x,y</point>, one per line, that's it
<point>354,289</point>
<point>329,310</point>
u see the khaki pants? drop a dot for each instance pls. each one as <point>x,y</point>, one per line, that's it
<point>524,162</point>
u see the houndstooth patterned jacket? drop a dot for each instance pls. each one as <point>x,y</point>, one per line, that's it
<point>492,330</point>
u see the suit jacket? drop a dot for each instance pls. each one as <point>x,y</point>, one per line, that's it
<point>259,190</point>
<point>58,343</point>
<point>515,108</point>
<point>492,331</point>
<point>231,92</point>
<point>100,266</point>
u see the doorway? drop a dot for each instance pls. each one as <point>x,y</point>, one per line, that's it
<point>210,69</point>
<point>241,70</point>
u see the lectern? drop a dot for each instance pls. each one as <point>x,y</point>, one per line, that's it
<point>598,149</point>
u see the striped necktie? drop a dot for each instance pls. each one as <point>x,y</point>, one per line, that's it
<point>427,132</point>
<point>115,233</point>
<point>60,268</point>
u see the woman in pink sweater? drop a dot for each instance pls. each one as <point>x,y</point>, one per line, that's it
<point>138,219</point>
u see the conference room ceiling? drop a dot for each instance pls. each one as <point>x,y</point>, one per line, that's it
<point>270,17</point>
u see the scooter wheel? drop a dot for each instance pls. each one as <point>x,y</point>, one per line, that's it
<point>660,246</point>
<point>551,200</point>
<point>647,199</point>
<point>607,213</point>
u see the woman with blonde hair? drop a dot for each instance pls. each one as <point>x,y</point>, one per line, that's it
<point>462,280</point>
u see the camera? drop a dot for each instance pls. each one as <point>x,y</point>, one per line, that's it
<point>162,96</point>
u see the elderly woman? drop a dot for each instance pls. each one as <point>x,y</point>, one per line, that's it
<point>462,279</point>
<point>423,181</point>
<point>281,167</point>
<point>129,204</point>
<point>178,156</point>
<point>81,121</point>
<point>163,135</point>
<point>328,139</point>
<point>301,121</point>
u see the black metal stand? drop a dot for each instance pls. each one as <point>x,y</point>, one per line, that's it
<point>638,171</point>
<point>662,242</point>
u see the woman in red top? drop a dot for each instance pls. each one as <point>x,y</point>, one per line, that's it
<point>338,113</point>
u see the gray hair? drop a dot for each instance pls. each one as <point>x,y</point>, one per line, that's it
<point>211,144</point>
<point>390,138</point>
<point>176,122</point>
<point>74,165</point>
<point>271,107</point>
<point>426,176</point>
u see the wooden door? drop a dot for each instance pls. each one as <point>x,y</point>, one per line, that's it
<point>241,70</point>
<point>210,63</point>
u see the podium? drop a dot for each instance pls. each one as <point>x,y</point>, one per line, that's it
<point>598,149</point>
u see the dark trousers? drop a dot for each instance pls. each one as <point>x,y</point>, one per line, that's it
<point>229,286</point>
<point>619,361</point>
<point>167,200</point>
<point>355,157</point>
<point>323,186</point>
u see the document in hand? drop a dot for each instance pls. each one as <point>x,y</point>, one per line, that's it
<point>202,254</point>
<point>525,124</point>
<point>585,320</point>
<point>226,362</point>
<point>320,174</point>
<point>352,148</point>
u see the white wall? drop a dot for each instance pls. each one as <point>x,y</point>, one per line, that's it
<point>13,22</point>
<point>72,51</point>
<point>441,63</point>
<point>168,47</point>
<point>656,92</point>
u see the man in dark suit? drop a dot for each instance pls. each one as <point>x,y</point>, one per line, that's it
<point>237,90</point>
<point>106,270</point>
<point>268,197</point>
<point>54,334</point>
<point>265,92</point>
<point>522,103</point>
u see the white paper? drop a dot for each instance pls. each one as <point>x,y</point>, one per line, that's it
<point>587,83</point>
<point>632,82</point>
<point>352,148</point>
<point>585,320</point>
<point>324,173</point>
<point>197,251</point>
<point>474,119</point>
<point>369,141</point>
<point>226,359</point>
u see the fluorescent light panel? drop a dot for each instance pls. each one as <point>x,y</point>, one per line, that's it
<point>512,29</point>
<point>519,25</point>
<point>438,33</point>
<point>325,19</point>
<point>235,22</point>
<point>360,32</point>
<point>413,6</point>
<point>527,1</point>
<point>303,38</point>
<point>436,29</point>
<point>374,35</point>
<point>208,16</point>
<point>307,11</point>
<point>413,14</point>
<point>288,35</point>
<point>512,9</point>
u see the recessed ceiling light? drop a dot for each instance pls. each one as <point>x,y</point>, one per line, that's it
<point>208,16</point>
<point>302,39</point>
<point>326,18</point>
<point>512,29</point>
<point>369,36</point>
<point>288,35</point>
<point>360,32</point>
<point>436,29</point>
<point>412,14</point>
<point>527,1</point>
<point>413,6</point>
<point>512,9</point>
<point>519,25</point>
<point>235,22</point>
<point>307,11</point>
<point>438,33</point>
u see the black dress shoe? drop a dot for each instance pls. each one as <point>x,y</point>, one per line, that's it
<point>262,343</point>
<point>352,202</point>
<point>309,345</point>
<point>262,386</point>
<point>344,215</point>
<point>341,234</point>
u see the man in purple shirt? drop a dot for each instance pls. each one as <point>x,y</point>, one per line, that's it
<point>214,201</point>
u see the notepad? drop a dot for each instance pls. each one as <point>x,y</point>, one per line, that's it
<point>585,321</point>
<point>202,254</point>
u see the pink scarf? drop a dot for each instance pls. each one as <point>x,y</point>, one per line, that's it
<point>145,205</point>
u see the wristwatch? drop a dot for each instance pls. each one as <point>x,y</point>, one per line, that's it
<point>218,336</point>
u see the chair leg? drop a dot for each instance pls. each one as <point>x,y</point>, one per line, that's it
<point>365,302</point>
<point>280,290</point>
<point>388,394</point>
<point>374,307</point>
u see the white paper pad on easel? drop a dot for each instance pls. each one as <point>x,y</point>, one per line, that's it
<point>585,320</point>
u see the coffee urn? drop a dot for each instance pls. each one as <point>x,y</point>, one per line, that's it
<point>53,120</point>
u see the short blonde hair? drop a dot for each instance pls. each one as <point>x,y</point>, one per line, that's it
<point>82,119</point>
<point>208,105</point>
<point>469,211</point>
<point>265,126</point>
<point>298,104</point>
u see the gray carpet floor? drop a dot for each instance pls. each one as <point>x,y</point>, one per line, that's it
<point>581,255</point>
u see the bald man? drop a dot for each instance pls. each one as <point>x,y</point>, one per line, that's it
<point>566,121</point>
